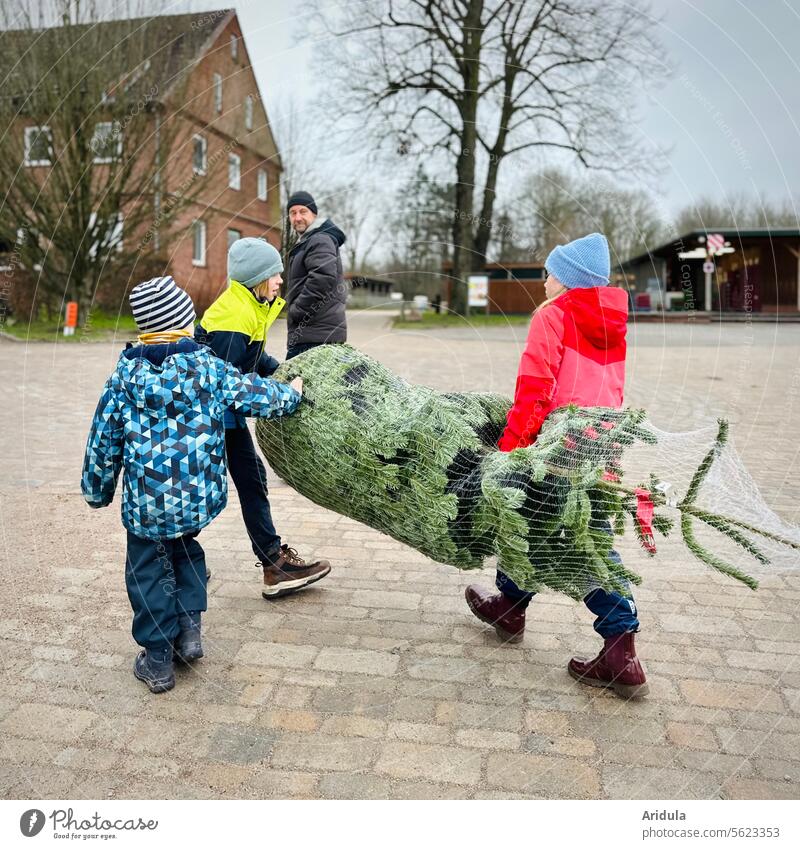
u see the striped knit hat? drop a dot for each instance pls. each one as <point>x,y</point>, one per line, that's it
<point>159,304</point>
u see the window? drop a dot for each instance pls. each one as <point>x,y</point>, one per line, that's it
<point>199,154</point>
<point>233,236</point>
<point>262,184</point>
<point>199,243</point>
<point>235,47</point>
<point>248,112</point>
<point>234,171</point>
<point>106,141</point>
<point>38,146</point>
<point>218,92</point>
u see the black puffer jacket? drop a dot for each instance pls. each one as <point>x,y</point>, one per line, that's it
<point>315,292</point>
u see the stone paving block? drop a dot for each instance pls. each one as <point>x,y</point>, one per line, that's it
<point>543,776</point>
<point>354,726</point>
<point>325,753</point>
<point>271,783</point>
<point>276,654</point>
<point>576,747</point>
<point>47,722</point>
<point>714,694</point>
<point>240,744</point>
<point>622,781</point>
<point>692,736</point>
<point>481,716</point>
<point>416,761</point>
<point>417,732</point>
<point>638,754</point>
<point>386,599</point>
<point>354,786</point>
<point>620,728</point>
<point>754,788</point>
<point>357,660</point>
<point>484,738</point>
<point>446,669</point>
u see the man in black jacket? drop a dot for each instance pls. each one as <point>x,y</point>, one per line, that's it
<point>315,293</point>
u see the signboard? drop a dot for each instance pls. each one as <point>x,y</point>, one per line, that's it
<point>708,267</point>
<point>478,290</point>
<point>715,242</point>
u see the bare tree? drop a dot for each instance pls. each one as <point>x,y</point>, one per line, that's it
<point>485,80</point>
<point>737,210</point>
<point>86,133</point>
<point>554,206</point>
<point>295,135</point>
<point>352,208</point>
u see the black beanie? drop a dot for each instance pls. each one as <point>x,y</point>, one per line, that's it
<point>302,199</point>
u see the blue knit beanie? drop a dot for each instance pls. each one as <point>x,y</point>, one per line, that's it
<point>251,261</point>
<point>582,264</point>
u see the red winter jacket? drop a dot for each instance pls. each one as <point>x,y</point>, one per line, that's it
<point>575,354</point>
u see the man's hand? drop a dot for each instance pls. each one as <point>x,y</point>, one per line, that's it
<point>297,385</point>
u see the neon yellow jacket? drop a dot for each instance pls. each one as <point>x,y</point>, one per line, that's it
<point>235,328</point>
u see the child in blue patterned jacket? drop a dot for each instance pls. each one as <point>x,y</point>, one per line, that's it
<point>160,418</point>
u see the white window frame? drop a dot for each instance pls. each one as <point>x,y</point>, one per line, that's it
<point>199,226</point>
<point>203,169</point>
<point>114,128</point>
<point>235,176</point>
<point>30,134</point>
<point>263,184</point>
<point>235,47</point>
<point>217,93</point>
<point>248,112</point>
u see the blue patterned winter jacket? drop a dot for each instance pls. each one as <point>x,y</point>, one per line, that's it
<point>160,418</point>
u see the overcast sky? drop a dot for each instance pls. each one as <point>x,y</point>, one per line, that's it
<point>730,114</point>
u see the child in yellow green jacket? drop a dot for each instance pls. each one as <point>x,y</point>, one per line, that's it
<point>235,328</point>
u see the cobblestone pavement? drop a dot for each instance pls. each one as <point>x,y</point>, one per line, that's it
<point>377,682</point>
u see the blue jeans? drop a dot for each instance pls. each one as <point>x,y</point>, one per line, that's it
<point>615,613</point>
<point>165,579</point>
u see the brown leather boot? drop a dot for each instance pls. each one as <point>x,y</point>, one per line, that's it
<point>289,572</point>
<point>504,614</point>
<point>616,667</point>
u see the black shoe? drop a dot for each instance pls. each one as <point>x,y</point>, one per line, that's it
<point>156,669</point>
<point>188,645</point>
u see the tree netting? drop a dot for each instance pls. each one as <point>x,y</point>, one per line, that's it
<point>423,467</point>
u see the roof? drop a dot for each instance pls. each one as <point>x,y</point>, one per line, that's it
<point>174,43</point>
<point>732,233</point>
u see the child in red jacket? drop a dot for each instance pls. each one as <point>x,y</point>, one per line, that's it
<point>575,354</point>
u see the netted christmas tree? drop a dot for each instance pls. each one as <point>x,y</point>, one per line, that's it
<point>423,467</point>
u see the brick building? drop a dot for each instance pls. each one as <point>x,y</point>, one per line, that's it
<point>222,156</point>
<point>227,144</point>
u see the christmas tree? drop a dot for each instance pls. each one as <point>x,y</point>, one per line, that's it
<point>423,467</point>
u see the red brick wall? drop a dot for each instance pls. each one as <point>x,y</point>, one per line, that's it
<point>221,207</point>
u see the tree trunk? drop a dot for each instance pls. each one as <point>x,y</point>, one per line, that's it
<point>465,165</point>
<point>496,155</point>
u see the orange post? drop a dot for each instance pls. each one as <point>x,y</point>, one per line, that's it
<point>71,319</point>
